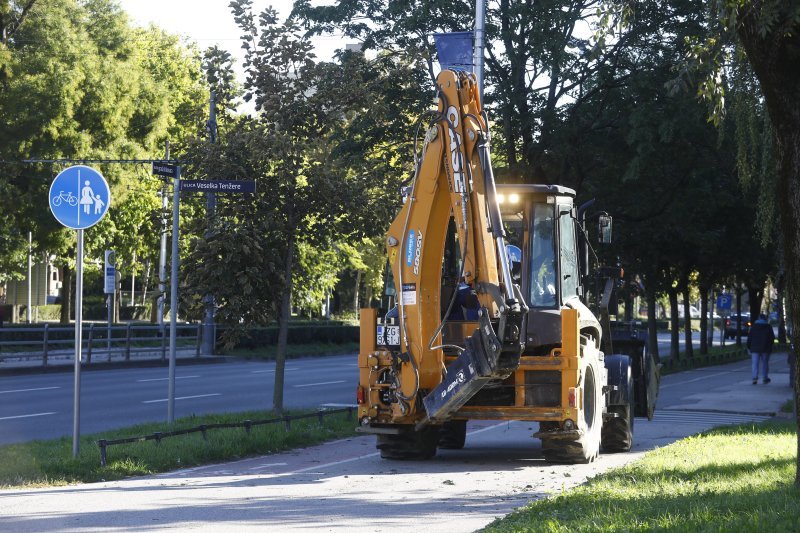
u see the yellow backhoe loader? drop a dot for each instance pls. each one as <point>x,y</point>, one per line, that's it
<point>490,321</point>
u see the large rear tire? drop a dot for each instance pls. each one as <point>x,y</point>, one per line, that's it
<point>453,435</point>
<point>410,444</point>
<point>586,447</point>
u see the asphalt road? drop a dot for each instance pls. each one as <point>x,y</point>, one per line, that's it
<point>344,486</point>
<point>40,406</point>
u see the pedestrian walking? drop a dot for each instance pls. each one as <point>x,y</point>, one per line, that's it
<point>759,342</point>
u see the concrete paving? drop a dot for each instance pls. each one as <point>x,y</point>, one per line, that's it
<point>738,394</point>
<point>345,486</point>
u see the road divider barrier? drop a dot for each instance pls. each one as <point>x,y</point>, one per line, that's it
<point>99,340</point>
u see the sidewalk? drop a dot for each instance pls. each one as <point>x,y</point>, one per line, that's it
<point>739,395</point>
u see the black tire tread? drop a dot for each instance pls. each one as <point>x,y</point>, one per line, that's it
<point>617,436</point>
<point>453,435</point>
<point>409,445</point>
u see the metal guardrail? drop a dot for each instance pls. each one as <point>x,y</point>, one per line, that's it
<point>158,436</point>
<point>98,339</point>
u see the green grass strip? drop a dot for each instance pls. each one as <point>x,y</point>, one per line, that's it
<point>48,463</point>
<point>737,478</point>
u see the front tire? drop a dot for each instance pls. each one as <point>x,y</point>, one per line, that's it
<point>586,446</point>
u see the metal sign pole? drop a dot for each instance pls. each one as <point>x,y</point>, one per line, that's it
<point>79,198</point>
<point>176,198</point>
<point>76,421</point>
<point>162,260</point>
<point>30,252</point>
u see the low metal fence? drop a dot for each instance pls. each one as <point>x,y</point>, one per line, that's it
<point>247,425</point>
<point>100,341</point>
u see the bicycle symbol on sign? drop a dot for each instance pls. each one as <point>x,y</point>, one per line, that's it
<point>71,200</point>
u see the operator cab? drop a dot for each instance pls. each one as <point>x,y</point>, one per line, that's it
<point>541,220</point>
<point>542,245</point>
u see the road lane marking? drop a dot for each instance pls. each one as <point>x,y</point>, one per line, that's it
<point>164,379</point>
<point>25,416</point>
<point>266,371</point>
<point>268,465</point>
<point>186,397</point>
<point>321,383</point>
<point>28,390</point>
<point>695,379</point>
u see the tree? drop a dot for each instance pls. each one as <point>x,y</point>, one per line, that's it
<point>763,35</point>
<point>770,35</point>
<point>102,90</point>
<point>304,202</point>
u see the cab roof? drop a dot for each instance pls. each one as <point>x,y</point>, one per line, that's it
<point>535,188</point>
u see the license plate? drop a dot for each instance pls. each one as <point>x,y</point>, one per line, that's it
<point>388,336</point>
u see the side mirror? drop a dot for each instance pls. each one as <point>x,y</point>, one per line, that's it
<point>604,229</point>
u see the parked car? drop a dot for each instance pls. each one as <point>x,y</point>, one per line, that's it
<point>736,323</point>
<point>693,311</point>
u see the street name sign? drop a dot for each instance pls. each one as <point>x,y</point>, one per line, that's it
<point>165,169</point>
<point>79,197</point>
<point>218,186</point>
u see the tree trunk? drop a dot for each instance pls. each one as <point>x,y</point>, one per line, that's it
<point>687,322</point>
<point>781,320</point>
<point>652,326</point>
<point>356,290</point>
<point>738,325</point>
<point>629,307</point>
<point>66,295</point>
<point>704,319</point>
<point>283,330</point>
<point>674,330</point>
<point>146,281</point>
<point>775,60</point>
<point>756,297</point>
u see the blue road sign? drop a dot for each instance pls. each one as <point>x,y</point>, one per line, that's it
<point>79,197</point>
<point>724,301</point>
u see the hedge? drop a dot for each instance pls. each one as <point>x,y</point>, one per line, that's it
<point>306,334</point>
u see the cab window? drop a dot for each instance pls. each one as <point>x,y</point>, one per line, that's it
<point>569,255</point>
<point>543,257</point>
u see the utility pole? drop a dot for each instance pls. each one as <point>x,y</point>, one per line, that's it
<point>162,261</point>
<point>480,38</point>
<point>209,333</point>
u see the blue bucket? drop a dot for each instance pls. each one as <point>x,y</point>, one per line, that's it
<point>454,50</point>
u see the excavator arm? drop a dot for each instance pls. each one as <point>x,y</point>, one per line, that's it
<point>453,180</point>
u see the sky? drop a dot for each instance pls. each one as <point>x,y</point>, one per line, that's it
<point>209,22</point>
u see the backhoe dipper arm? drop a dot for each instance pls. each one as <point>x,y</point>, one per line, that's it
<point>454,177</point>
